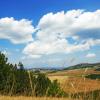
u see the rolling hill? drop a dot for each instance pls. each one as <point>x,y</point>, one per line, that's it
<point>83,65</point>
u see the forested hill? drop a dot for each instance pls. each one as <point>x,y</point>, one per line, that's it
<point>83,65</point>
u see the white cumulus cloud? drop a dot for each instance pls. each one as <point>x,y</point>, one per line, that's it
<point>55,29</point>
<point>16,31</point>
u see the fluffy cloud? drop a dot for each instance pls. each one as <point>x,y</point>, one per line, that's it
<point>72,23</point>
<point>17,31</point>
<point>37,49</point>
<point>90,55</point>
<point>57,25</point>
<point>56,30</point>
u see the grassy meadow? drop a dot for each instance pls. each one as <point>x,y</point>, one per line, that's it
<point>72,82</point>
<point>30,98</point>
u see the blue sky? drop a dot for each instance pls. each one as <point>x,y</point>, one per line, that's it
<point>50,33</point>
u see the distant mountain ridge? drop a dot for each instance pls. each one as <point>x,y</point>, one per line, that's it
<point>83,65</point>
<point>77,66</point>
<point>43,69</point>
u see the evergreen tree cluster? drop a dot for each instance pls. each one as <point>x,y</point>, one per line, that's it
<point>15,80</point>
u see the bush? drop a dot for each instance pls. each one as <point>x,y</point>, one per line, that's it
<point>17,81</point>
<point>55,90</point>
<point>42,83</point>
<point>93,76</point>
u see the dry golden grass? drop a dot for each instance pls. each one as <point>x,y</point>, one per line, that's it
<point>29,98</point>
<point>74,85</point>
<point>59,78</point>
<point>71,82</point>
<point>76,72</point>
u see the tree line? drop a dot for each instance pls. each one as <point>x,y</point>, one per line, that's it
<point>16,80</point>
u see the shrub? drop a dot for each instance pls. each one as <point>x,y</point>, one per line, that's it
<point>41,85</point>
<point>17,81</point>
<point>55,90</point>
<point>93,76</point>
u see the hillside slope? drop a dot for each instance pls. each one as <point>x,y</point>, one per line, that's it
<point>83,65</point>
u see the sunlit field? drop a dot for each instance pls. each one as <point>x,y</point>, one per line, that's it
<point>30,98</point>
<point>74,81</point>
